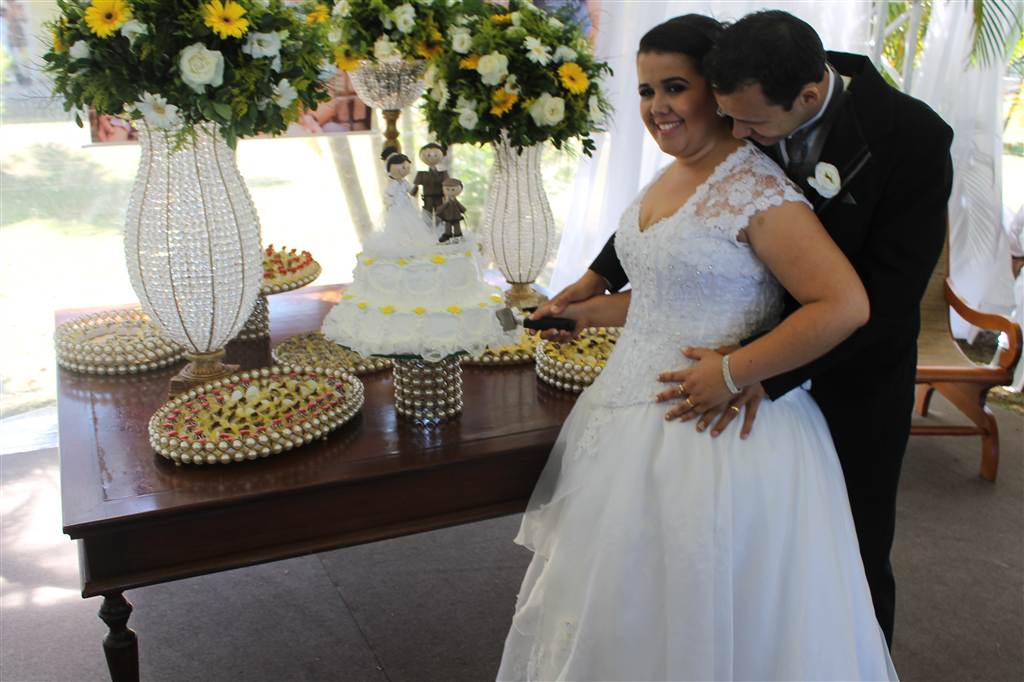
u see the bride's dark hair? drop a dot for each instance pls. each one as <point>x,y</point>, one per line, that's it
<point>391,157</point>
<point>691,34</point>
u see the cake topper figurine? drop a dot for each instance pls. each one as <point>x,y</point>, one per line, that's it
<point>451,211</point>
<point>431,179</point>
<point>404,230</point>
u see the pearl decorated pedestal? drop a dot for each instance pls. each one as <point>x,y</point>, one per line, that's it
<point>428,392</point>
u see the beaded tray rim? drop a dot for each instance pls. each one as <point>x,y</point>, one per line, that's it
<point>552,371</point>
<point>354,400</point>
<point>271,289</point>
<point>379,363</point>
<point>71,354</point>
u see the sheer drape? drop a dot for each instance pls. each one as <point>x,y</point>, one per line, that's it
<point>971,103</point>
<point>626,157</point>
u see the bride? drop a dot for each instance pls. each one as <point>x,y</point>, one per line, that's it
<point>660,553</point>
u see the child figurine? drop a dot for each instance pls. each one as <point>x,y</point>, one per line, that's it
<point>431,179</point>
<point>451,211</point>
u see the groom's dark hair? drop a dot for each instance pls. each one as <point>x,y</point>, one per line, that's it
<point>772,48</point>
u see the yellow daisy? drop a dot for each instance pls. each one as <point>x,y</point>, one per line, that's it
<point>470,62</point>
<point>103,17</point>
<point>502,18</point>
<point>430,48</point>
<point>345,60</point>
<point>573,78</point>
<point>225,19</point>
<point>318,15</point>
<point>502,101</point>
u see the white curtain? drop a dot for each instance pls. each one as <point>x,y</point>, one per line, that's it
<point>970,100</point>
<point>626,157</point>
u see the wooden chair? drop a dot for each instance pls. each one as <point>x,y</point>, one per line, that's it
<point>942,366</point>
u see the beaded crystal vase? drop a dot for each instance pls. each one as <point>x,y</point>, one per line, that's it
<point>517,223</point>
<point>192,245</point>
<point>389,86</point>
<point>428,392</point>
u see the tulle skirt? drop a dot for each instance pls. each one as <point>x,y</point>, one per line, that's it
<point>664,554</point>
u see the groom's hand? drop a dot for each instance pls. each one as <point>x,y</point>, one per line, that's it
<point>589,285</point>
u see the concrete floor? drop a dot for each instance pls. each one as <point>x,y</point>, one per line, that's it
<point>436,606</point>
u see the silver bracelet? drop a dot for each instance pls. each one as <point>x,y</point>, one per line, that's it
<point>727,376</point>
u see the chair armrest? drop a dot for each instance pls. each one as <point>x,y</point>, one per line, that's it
<point>1007,358</point>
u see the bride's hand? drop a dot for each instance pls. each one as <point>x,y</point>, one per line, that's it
<point>700,386</point>
<point>750,398</point>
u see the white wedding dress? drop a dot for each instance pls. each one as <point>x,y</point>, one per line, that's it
<point>662,553</point>
<point>404,231</point>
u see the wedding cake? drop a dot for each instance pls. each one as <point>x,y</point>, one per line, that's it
<point>411,295</point>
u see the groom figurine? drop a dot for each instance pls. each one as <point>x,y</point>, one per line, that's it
<point>875,164</point>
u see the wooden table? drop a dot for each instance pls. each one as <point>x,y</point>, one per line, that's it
<point>140,520</point>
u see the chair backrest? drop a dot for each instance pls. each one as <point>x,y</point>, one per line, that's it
<point>934,307</point>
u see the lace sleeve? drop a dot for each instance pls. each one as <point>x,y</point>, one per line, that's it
<point>747,183</point>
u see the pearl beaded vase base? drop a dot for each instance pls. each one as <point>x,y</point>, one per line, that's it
<point>517,224</point>
<point>428,392</point>
<point>201,368</point>
<point>192,243</point>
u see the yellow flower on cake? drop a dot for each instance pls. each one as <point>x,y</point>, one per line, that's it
<point>454,309</point>
<point>419,310</point>
<point>369,261</point>
<point>402,261</point>
<point>496,298</point>
<point>387,309</point>
<point>345,60</point>
<point>318,15</point>
<point>502,101</point>
<point>362,306</point>
<point>573,78</point>
<point>225,19</point>
<point>439,259</point>
<point>103,17</point>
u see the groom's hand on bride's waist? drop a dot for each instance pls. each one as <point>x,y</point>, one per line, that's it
<point>699,392</point>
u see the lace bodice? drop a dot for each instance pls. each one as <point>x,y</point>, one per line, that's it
<point>694,283</point>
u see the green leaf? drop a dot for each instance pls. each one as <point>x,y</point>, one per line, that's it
<point>223,111</point>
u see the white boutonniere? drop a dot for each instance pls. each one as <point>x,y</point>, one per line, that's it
<point>826,180</point>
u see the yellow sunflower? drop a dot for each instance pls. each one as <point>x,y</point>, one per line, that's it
<point>103,17</point>
<point>573,78</point>
<point>502,101</point>
<point>430,49</point>
<point>318,15</point>
<point>470,62</point>
<point>225,19</point>
<point>502,18</point>
<point>345,60</point>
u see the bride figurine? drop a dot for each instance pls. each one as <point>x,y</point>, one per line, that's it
<point>403,231</point>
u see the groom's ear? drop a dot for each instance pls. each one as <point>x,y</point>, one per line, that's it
<point>809,96</point>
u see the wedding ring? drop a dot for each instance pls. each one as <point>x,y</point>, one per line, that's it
<point>735,408</point>
<point>681,389</point>
<point>689,402</point>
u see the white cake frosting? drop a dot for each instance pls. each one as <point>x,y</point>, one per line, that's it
<point>430,305</point>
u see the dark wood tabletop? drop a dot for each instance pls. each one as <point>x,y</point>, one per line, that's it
<point>141,519</point>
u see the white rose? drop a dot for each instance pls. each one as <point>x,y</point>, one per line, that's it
<point>826,181</point>
<point>157,112</point>
<point>548,110</point>
<point>517,19</point>
<point>536,51</point>
<point>462,41</point>
<point>200,67</point>
<point>430,76</point>
<point>258,45</point>
<point>405,17</point>
<point>512,84</point>
<point>275,65</point>
<point>132,29</point>
<point>565,54</point>
<point>492,68</point>
<point>384,48</point>
<point>284,93</point>
<point>440,93</point>
<point>462,19</point>
<point>468,119</point>
<point>464,103</point>
<point>341,8</point>
<point>79,50</point>
<point>555,23</point>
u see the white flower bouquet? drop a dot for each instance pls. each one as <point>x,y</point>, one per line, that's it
<point>246,66</point>
<point>515,71</point>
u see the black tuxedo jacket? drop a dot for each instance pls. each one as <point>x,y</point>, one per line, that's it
<point>892,152</point>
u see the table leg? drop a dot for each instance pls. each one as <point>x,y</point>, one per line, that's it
<point>120,645</point>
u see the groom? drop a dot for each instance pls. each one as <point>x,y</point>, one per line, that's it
<point>886,211</point>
